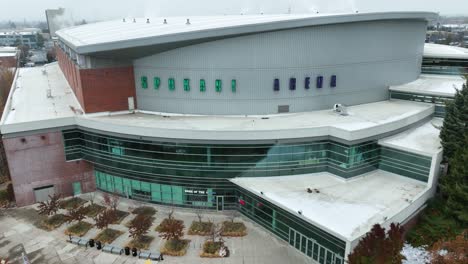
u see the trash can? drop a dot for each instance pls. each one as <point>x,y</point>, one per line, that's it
<point>98,245</point>
<point>91,243</point>
<point>134,252</point>
<point>127,251</point>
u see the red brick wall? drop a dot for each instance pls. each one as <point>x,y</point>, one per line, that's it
<point>39,160</point>
<point>9,62</point>
<point>99,90</point>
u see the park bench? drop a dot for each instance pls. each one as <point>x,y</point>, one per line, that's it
<point>112,249</point>
<point>150,255</point>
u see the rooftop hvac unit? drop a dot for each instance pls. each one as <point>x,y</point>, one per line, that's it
<point>340,109</point>
<point>49,93</point>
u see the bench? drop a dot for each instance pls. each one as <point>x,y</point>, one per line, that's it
<point>79,241</point>
<point>113,250</point>
<point>150,255</point>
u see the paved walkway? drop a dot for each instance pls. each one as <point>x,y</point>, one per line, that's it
<point>18,233</point>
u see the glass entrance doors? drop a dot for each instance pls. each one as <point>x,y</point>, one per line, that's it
<point>312,249</point>
<point>219,203</point>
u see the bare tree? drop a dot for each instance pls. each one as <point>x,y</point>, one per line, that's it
<point>77,213</point>
<point>92,197</point>
<point>51,206</point>
<point>215,232</point>
<point>232,215</point>
<point>140,225</point>
<point>112,200</point>
<point>199,213</point>
<point>105,218</point>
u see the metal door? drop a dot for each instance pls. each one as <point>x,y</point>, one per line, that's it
<point>219,203</point>
<point>76,188</point>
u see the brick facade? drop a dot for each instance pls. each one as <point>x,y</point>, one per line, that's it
<point>39,160</point>
<point>8,62</point>
<point>99,90</point>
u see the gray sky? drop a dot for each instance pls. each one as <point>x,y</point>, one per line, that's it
<point>107,9</point>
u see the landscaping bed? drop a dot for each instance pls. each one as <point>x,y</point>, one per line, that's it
<point>71,203</point>
<point>175,248</point>
<point>142,243</point>
<point>211,250</point>
<point>52,222</point>
<point>145,210</point>
<point>94,209</point>
<point>120,215</point>
<point>200,228</point>
<point>233,229</point>
<point>108,235</point>
<point>129,223</point>
<point>158,228</point>
<point>79,229</point>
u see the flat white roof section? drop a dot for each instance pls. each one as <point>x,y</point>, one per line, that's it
<point>423,140</point>
<point>117,34</point>
<point>433,84</point>
<point>347,209</point>
<point>445,51</point>
<point>30,100</point>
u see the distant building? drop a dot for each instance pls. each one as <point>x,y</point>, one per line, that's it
<point>9,57</point>
<point>27,36</point>
<point>57,20</point>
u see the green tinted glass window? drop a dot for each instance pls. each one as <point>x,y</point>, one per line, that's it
<point>171,84</point>
<point>234,85</point>
<point>144,82</point>
<point>202,85</point>
<point>218,86</point>
<point>186,85</point>
<point>157,82</point>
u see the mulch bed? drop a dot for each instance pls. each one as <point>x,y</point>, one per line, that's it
<point>108,235</point>
<point>52,222</point>
<point>71,203</point>
<point>79,229</point>
<point>145,210</point>
<point>94,209</point>
<point>142,243</point>
<point>200,228</point>
<point>211,250</point>
<point>233,229</point>
<point>173,248</point>
<point>120,216</point>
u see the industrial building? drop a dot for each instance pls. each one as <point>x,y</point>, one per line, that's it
<point>297,121</point>
<point>27,37</point>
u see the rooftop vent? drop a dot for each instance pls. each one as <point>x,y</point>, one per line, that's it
<point>123,20</point>
<point>188,22</point>
<point>165,21</point>
<point>147,21</point>
<point>340,109</point>
<point>134,20</point>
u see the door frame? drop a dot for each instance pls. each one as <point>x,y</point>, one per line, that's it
<point>219,201</point>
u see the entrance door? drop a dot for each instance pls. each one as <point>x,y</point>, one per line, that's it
<point>76,188</point>
<point>220,203</point>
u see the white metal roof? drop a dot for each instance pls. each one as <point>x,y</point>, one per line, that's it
<point>346,209</point>
<point>117,34</point>
<point>432,84</point>
<point>444,51</point>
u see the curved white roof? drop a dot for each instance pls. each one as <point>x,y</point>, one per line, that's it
<point>120,34</point>
<point>444,51</point>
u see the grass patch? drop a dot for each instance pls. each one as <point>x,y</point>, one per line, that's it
<point>71,203</point>
<point>120,215</point>
<point>200,228</point>
<point>79,229</point>
<point>141,243</point>
<point>108,235</point>
<point>211,250</point>
<point>175,248</point>
<point>434,224</point>
<point>145,210</point>
<point>52,222</point>
<point>158,228</point>
<point>233,229</point>
<point>94,209</point>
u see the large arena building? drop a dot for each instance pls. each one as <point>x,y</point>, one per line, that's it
<point>236,113</point>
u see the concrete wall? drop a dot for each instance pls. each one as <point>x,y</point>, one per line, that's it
<point>99,90</point>
<point>39,160</point>
<point>367,57</point>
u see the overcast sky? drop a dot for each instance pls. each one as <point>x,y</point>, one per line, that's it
<point>107,9</point>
